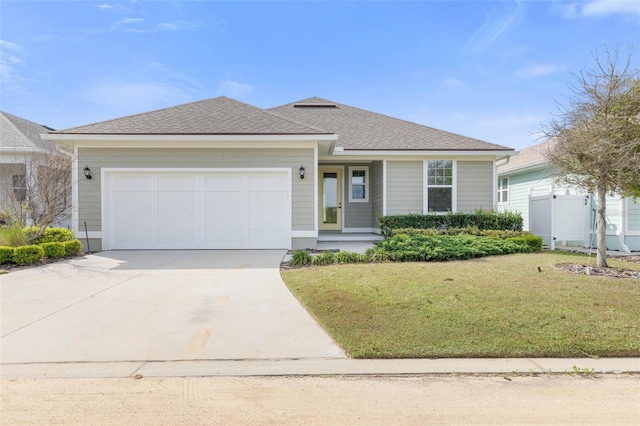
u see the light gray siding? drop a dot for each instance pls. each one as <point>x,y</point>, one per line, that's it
<point>377,188</point>
<point>356,214</point>
<point>404,187</point>
<point>519,187</point>
<point>89,198</point>
<point>474,185</point>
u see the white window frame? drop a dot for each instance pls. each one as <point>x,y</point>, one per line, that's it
<point>453,186</point>
<point>504,190</point>
<point>366,184</point>
<point>19,188</point>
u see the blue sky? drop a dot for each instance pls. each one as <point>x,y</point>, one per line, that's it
<point>486,69</point>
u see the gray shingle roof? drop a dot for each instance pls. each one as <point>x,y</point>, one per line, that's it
<point>532,156</point>
<point>220,115</point>
<point>365,130</point>
<point>16,132</point>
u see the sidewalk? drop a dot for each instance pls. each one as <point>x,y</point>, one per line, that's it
<point>324,367</point>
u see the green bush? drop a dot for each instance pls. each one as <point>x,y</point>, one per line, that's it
<point>12,236</point>
<point>344,256</point>
<point>72,248</point>
<point>6,255</point>
<point>26,255</point>
<point>482,219</point>
<point>532,242</point>
<point>324,258</point>
<point>378,255</point>
<point>53,250</point>
<point>300,258</point>
<point>50,235</point>
<point>419,248</point>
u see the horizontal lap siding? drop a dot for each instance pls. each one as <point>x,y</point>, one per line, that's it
<point>519,187</point>
<point>404,187</point>
<point>89,198</point>
<point>356,215</point>
<point>633,209</point>
<point>474,185</point>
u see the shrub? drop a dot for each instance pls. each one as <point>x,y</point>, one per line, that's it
<point>414,231</point>
<point>6,255</point>
<point>72,248</point>
<point>26,255</point>
<point>531,242</point>
<point>419,248</point>
<point>378,255</point>
<point>50,235</point>
<point>53,250</point>
<point>300,258</point>
<point>344,256</point>
<point>12,236</point>
<point>482,219</point>
<point>324,258</point>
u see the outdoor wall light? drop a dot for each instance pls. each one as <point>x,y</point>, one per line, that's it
<point>87,172</point>
<point>301,172</point>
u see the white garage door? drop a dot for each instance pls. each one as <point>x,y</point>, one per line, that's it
<point>197,210</point>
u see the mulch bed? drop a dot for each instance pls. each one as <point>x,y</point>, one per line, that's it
<point>603,272</point>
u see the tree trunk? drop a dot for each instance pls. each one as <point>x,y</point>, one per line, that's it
<point>602,228</point>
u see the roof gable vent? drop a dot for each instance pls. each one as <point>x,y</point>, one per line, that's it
<point>310,105</point>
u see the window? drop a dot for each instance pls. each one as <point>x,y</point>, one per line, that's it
<point>503,190</point>
<point>439,195</point>
<point>358,184</point>
<point>19,184</point>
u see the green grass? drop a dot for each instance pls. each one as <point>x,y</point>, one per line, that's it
<point>497,306</point>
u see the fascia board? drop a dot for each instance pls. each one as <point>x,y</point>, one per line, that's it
<point>69,137</point>
<point>424,153</point>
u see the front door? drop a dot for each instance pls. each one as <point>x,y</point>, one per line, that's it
<point>330,192</point>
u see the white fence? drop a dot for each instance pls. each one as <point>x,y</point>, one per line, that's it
<point>558,216</point>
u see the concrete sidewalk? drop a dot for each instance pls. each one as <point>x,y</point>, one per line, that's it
<point>324,367</point>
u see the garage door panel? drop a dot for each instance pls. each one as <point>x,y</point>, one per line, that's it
<point>199,210</point>
<point>132,215</point>
<point>131,182</point>
<point>223,225</point>
<point>223,181</point>
<point>177,219</point>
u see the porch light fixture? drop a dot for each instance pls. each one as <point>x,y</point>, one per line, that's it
<point>301,172</point>
<point>87,172</point>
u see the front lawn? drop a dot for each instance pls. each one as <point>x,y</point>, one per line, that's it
<point>499,306</point>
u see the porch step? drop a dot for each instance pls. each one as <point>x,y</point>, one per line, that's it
<point>346,237</point>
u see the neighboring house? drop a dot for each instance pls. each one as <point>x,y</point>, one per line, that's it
<point>526,185</point>
<point>21,150</point>
<point>222,174</point>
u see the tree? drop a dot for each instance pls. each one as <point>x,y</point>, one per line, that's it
<point>597,135</point>
<point>42,195</point>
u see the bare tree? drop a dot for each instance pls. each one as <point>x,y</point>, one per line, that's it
<point>598,134</point>
<point>42,196</point>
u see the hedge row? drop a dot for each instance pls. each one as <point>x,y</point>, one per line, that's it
<point>481,219</point>
<point>27,255</point>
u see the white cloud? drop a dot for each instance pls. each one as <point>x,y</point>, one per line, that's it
<point>103,6</point>
<point>454,83</point>
<point>130,20</point>
<point>495,24</point>
<point>129,97</point>
<point>539,70</point>
<point>235,89</point>
<point>609,7</point>
<point>515,129</point>
<point>10,46</point>
<point>598,8</point>
<point>10,77</point>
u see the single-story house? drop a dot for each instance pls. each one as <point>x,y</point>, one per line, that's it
<point>22,152</point>
<point>558,213</point>
<point>222,174</point>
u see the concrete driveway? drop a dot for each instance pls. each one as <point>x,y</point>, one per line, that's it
<point>157,306</point>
